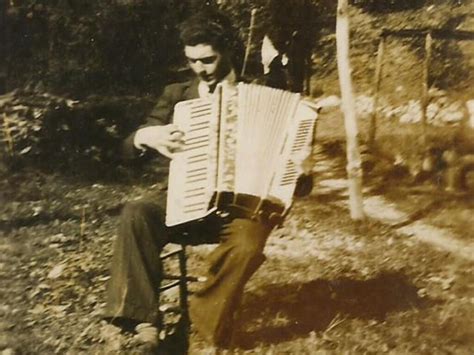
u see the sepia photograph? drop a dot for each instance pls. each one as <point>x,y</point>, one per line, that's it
<point>219,177</point>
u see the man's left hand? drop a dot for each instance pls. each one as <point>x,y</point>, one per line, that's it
<point>304,161</point>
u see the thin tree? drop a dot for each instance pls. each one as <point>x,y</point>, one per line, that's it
<point>248,47</point>
<point>354,167</point>
<point>4,44</point>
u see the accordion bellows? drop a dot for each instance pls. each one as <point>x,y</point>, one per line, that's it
<point>241,140</point>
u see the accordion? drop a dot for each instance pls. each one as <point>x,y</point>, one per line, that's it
<point>239,145</point>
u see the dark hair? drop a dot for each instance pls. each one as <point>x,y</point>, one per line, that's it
<point>209,26</point>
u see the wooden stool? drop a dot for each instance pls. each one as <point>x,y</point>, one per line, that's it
<point>177,343</point>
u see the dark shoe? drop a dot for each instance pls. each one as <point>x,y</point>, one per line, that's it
<point>148,336</point>
<point>176,341</point>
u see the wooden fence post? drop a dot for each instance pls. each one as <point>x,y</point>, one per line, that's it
<point>376,90</point>
<point>354,166</point>
<point>425,100</point>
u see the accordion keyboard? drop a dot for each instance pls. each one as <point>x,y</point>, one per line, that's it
<point>192,185</point>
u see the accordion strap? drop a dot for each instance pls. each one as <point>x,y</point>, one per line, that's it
<point>250,207</point>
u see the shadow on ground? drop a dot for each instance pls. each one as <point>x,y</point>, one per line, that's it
<point>299,309</point>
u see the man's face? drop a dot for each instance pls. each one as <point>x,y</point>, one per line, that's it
<point>208,64</point>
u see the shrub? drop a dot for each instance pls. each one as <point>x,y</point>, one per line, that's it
<point>84,47</point>
<point>54,132</point>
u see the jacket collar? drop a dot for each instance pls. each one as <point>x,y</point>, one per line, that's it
<point>203,88</point>
<point>191,92</point>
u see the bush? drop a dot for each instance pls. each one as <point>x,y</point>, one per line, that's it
<point>84,47</point>
<point>53,132</point>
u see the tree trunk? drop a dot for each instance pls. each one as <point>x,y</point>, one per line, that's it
<point>248,47</point>
<point>354,167</point>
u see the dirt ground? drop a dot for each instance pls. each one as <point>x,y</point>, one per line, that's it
<point>329,285</point>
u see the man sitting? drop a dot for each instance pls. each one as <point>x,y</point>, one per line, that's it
<point>136,271</point>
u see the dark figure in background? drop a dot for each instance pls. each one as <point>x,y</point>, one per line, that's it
<point>142,234</point>
<point>292,31</point>
<point>275,66</point>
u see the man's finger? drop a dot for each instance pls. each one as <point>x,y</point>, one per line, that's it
<point>177,136</point>
<point>173,144</point>
<point>172,128</point>
<point>303,161</point>
<point>166,152</point>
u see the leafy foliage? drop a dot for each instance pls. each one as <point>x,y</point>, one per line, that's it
<point>83,47</point>
<point>114,57</point>
<point>94,46</point>
<point>55,132</point>
<point>111,56</point>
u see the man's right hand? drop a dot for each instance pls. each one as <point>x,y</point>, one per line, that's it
<point>167,140</point>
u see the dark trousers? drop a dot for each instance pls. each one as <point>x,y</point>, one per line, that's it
<point>136,268</point>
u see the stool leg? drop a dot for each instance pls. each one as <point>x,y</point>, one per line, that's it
<point>177,343</point>
<point>183,296</point>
